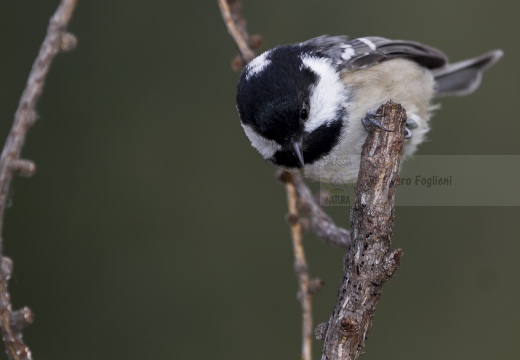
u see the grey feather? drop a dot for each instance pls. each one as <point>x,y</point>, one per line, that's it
<point>369,51</point>
<point>425,55</point>
<point>462,78</point>
<point>331,46</point>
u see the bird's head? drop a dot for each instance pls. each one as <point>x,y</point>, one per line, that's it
<point>291,103</point>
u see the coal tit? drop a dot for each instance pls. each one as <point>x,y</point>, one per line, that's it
<point>307,106</point>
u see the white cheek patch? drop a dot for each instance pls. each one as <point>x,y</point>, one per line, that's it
<point>257,65</point>
<point>264,146</point>
<point>328,96</point>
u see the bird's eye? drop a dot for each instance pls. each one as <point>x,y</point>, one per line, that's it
<point>305,114</point>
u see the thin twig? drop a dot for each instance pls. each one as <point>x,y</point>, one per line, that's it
<point>300,265</point>
<point>25,114</point>
<point>232,14</point>
<point>231,11</point>
<point>10,164</point>
<point>321,223</point>
<point>370,261</point>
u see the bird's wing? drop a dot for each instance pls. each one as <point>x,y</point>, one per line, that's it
<point>365,52</point>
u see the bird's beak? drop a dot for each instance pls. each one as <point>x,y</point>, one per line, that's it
<point>296,147</point>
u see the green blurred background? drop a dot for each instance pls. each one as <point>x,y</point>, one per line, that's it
<point>153,230</point>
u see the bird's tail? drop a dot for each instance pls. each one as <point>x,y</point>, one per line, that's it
<point>462,78</point>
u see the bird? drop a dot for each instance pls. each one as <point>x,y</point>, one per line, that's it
<point>308,107</point>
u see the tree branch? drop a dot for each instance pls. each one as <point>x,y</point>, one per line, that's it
<point>232,14</point>
<point>301,268</point>
<point>321,223</point>
<point>56,39</point>
<point>369,262</point>
<point>231,11</point>
<point>307,287</point>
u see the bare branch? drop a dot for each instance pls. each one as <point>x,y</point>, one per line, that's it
<point>300,266</point>
<point>11,322</point>
<point>21,318</point>
<point>22,167</point>
<point>321,223</point>
<point>370,262</point>
<point>25,114</point>
<point>298,195</point>
<point>231,11</point>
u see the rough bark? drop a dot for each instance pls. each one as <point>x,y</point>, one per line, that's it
<point>370,261</point>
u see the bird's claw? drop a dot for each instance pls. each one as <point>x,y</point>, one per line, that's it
<point>371,120</point>
<point>410,124</point>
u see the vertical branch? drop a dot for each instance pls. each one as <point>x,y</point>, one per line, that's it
<point>25,114</point>
<point>300,265</point>
<point>369,262</point>
<point>232,14</point>
<point>12,322</point>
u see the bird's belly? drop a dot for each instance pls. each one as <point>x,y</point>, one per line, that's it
<point>399,80</point>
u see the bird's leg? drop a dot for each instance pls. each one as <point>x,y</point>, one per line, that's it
<point>371,120</point>
<point>410,124</point>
